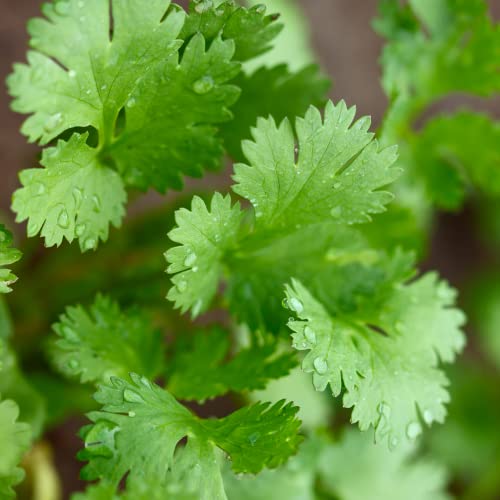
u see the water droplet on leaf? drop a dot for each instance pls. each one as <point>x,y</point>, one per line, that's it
<point>320,365</point>
<point>295,305</point>
<point>309,334</point>
<point>190,259</point>
<point>203,85</point>
<point>132,396</point>
<point>53,122</point>
<point>413,430</point>
<point>77,197</point>
<point>336,212</point>
<point>63,219</point>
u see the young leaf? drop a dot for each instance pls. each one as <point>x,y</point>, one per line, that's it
<point>73,197</point>
<point>250,29</point>
<point>8,255</point>
<point>15,385</point>
<point>103,341</point>
<point>387,361</point>
<point>140,426</point>
<point>153,110</point>
<point>379,474</point>
<point>205,235</point>
<point>200,372</point>
<point>455,151</point>
<point>15,438</point>
<point>339,174</point>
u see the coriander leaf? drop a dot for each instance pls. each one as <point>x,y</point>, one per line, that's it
<point>272,91</point>
<point>483,300</point>
<point>454,151</point>
<point>200,370</point>
<point>293,45</point>
<point>154,111</point>
<point>205,235</point>
<point>103,341</point>
<point>379,474</point>
<point>250,29</point>
<point>387,361</point>
<point>430,58</point>
<point>15,385</point>
<point>8,255</point>
<point>15,438</point>
<point>74,196</point>
<point>294,480</point>
<point>81,73</point>
<point>338,174</point>
<point>140,426</point>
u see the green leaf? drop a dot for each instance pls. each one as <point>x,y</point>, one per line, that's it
<point>339,174</point>
<point>250,29</point>
<point>15,385</point>
<point>201,371</point>
<point>154,111</point>
<point>15,438</point>
<point>8,255</point>
<point>294,480</point>
<point>205,235</point>
<point>454,47</point>
<point>384,358</point>
<point>140,426</point>
<point>103,341</point>
<point>378,473</point>
<point>73,197</point>
<point>293,45</point>
<point>275,92</point>
<point>456,151</point>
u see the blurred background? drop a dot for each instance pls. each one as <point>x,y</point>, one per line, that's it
<point>348,50</point>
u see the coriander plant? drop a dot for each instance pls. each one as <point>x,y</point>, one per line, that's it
<point>298,346</point>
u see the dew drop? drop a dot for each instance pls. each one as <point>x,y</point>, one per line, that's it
<point>337,185</point>
<point>320,365</point>
<point>69,334</point>
<point>72,73</point>
<point>197,307</point>
<point>296,305</point>
<point>97,203</point>
<point>309,334</point>
<point>336,212</point>
<point>33,228</point>
<point>131,102</point>
<point>253,438</point>
<point>73,364</point>
<point>88,91</point>
<point>194,269</point>
<point>132,396</point>
<point>77,197</point>
<point>428,417</point>
<point>394,442</point>
<point>181,286</point>
<point>89,244</point>
<point>203,85</point>
<point>38,189</point>
<point>190,259</point>
<point>80,229</point>
<point>63,219</point>
<point>53,122</point>
<point>62,8</point>
<point>413,430</point>
<point>131,414</point>
<point>104,87</point>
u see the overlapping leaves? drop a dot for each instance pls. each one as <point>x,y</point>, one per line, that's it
<point>140,426</point>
